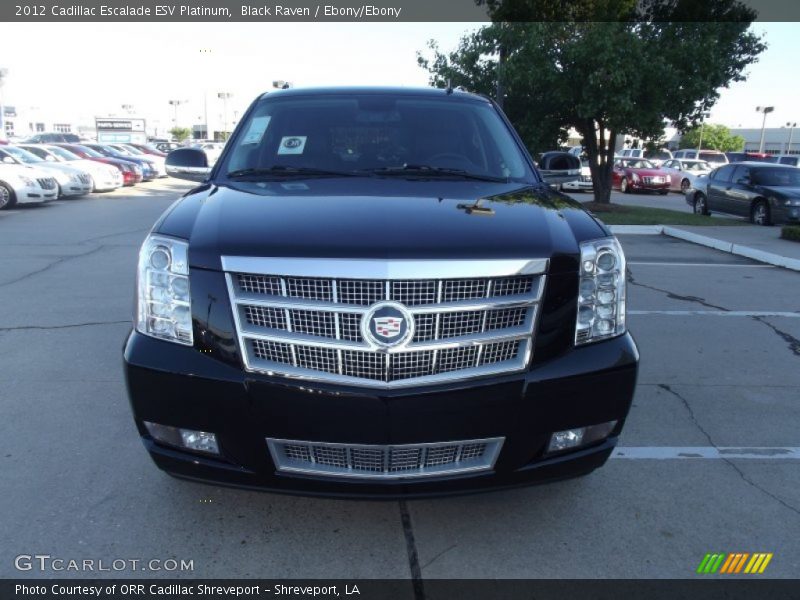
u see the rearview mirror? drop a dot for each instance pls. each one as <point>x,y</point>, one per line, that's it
<point>559,167</point>
<point>188,163</point>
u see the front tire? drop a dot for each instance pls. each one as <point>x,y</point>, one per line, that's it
<point>7,196</point>
<point>700,205</point>
<point>623,186</point>
<point>759,214</point>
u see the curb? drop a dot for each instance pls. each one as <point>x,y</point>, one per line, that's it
<point>769,258</point>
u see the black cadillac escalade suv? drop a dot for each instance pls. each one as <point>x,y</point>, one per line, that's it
<point>375,292</point>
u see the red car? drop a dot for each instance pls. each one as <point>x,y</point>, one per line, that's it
<point>148,149</point>
<point>638,174</point>
<point>130,174</point>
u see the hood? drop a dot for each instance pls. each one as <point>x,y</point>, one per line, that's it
<point>60,167</point>
<point>24,170</point>
<point>647,172</point>
<point>379,218</point>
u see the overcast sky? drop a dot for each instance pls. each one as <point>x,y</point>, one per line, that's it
<point>76,71</point>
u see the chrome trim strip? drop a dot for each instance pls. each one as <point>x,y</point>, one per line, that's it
<point>485,463</point>
<point>518,301</point>
<point>309,375</point>
<point>367,268</point>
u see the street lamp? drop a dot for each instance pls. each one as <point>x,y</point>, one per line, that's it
<point>765,110</point>
<point>224,96</point>
<point>3,77</point>
<point>128,108</point>
<point>175,104</point>
<point>703,117</point>
<point>791,126</point>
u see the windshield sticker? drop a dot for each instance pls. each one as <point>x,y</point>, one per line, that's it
<point>258,125</point>
<point>292,144</point>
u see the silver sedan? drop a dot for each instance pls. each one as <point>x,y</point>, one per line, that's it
<point>683,172</point>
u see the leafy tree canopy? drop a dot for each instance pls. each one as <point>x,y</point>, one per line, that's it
<point>602,77</point>
<point>714,137</point>
<point>180,133</point>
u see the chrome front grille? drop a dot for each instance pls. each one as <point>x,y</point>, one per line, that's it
<point>292,321</point>
<point>84,178</point>
<point>47,183</point>
<point>384,462</point>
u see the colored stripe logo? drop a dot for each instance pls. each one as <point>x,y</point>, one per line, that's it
<point>732,563</point>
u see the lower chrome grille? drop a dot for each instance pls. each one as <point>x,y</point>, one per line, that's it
<point>293,322</point>
<point>384,461</point>
<point>47,183</point>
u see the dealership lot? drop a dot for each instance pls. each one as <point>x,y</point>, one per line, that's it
<point>78,484</point>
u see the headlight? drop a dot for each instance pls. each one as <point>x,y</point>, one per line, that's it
<point>635,177</point>
<point>163,303</point>
<point>74,178</point>
<point>27,181</point>
<point>601,293</point>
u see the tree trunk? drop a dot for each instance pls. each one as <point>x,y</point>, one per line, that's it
<point>600,163</point>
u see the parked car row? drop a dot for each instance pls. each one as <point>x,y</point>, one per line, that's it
<point>38,172</point>
<point>764,193</point>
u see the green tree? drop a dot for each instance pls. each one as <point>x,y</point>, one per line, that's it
<point>180,133</point>
<point>613,73</point>
<point>714,137</point>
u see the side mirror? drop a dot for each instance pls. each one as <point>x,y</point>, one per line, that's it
<point>559,167</point>
<point>188,163</point>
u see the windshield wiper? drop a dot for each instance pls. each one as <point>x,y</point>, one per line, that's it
<point>285,170</point>
<point>427,170</point>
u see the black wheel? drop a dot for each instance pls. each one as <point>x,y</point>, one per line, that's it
<point>759,213</point>
<point>685,185</point>
<point>700,206</point>
<point>623,186</point>
<point>7,196</point>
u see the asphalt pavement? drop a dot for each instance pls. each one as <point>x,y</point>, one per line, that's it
<point>720,343</point>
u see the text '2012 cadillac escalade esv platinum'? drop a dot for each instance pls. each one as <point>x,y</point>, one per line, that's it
<point>374,292</point>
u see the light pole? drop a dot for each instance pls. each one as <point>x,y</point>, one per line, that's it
<point>175,104</point>
<point>703,117</point>
<point>128,108</point>
<point>791,126</point>
<point>3,76</point>
<point>224,96</point>
<point>765,110</point>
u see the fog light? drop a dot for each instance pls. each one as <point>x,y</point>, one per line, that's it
<point>197,441</point>
<point>564,440</point>
<point>581,436</point>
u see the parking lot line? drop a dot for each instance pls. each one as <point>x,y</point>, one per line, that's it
<point>686,452</point>
<point>718,313</point>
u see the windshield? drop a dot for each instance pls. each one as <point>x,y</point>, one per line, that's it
<point>777,177</point>
<point>713,157</point>
<point>696,165</point>
<point>22,155</point>
<point>131,149</point>
<point>377,133</point>
<point>63,154</point>
<point>89,151</point>
<point>638,164</point>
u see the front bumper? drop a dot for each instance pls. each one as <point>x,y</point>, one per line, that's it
<point>182,387</point>
<point>72,189</point>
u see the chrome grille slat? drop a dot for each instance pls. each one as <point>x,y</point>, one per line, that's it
<point>309,327</point>
<point>384,461</point>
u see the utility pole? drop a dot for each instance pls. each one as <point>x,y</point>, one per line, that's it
<point>175,104</point>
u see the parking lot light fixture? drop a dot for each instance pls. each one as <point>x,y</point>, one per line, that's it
<point>765,110</point>
<point>791,126</point>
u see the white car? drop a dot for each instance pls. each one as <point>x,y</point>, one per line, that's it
<point>583,184</point>
<point>105,178</point>
<point>72,182</point>
<point>212,150</point>
<point>24,185</point>
<point>683,172</point>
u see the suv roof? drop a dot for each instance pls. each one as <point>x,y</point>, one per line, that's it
<point>401,91</point>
